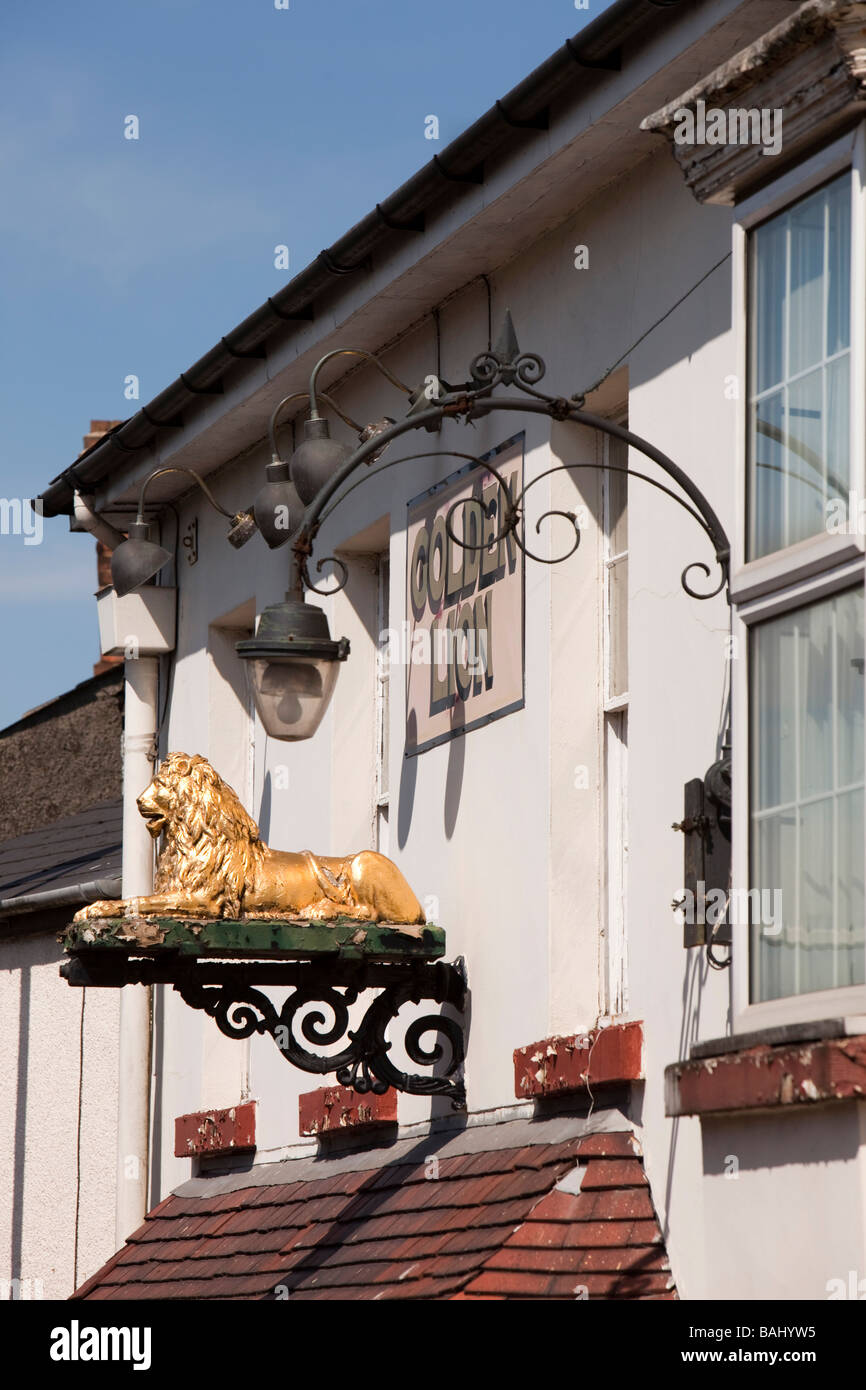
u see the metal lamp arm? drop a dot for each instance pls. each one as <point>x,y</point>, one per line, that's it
<point>304,395</point>
<point>190,473</point>
<point>350,352</point>
<point>557,409</point>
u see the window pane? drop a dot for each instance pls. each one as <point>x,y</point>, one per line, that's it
<point>817,885</point>
<point>617,497</point>
<point>806,293</point>
<point>851,938</point>
<point>799,348</point>
<point>838,267</point>
<point>849,677</point>
<point>767,502</point>
<point>805,456</point>
<point>768,310</point>
<point>838,416</point>
<point>815,684</point>
<point>807,774</point>
<point>774,862</point>
<point>774,721</point>
<point>618,579</point>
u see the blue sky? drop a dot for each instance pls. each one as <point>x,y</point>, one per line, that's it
<point>258,127</point>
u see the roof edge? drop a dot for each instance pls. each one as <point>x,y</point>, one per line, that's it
<point>517,113</point>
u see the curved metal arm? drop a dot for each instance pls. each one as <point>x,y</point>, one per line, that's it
<point>350,352</point>
<point>703,512</point>
<point>190,473</point>
<point>506,364</point>
<point>305,395</point>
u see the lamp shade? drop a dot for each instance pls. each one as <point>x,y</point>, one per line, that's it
<point>136,560</point>
<point>292,666</point>
<point>278,509</point>
<point>316,459</point>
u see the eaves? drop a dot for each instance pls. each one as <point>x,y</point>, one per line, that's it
<point>567,130</point>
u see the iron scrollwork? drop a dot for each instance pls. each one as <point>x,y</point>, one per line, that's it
<point>364,1064</point>
<point>504,364</point>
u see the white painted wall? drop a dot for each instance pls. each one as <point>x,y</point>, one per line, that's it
<point>58,1111</point>
<point>492,825</point>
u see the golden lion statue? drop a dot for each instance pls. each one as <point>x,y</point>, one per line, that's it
<point>213,863</point>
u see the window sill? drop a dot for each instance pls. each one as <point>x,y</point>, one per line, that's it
<point>776,1068</point>
<point>783,568</point>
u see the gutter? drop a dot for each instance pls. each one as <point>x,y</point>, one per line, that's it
<point>74,895</point>
<point>523,110</point>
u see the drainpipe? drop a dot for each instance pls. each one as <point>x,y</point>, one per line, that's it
<point>133,1097</point>
<point>82,508</point>
<point>136,1002</point>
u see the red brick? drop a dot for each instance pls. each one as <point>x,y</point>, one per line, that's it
<point>767,1077</point>
<point>600,1057</point>
<point>216,1131</point>
<point>339,1107</point>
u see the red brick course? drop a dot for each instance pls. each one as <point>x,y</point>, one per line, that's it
<point>579,1062</point>
<point>767,1077</point>
<point>339,1107</point>
<point>216,1131</point>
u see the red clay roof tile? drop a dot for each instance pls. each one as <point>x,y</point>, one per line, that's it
<point>484,1225</point>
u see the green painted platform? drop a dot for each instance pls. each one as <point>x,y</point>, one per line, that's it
<point>342,938</point>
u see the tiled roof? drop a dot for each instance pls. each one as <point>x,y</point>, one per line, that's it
<point>69,851</point>
<point>570,1219</point>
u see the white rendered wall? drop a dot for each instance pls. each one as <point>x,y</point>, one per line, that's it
<point>58,1110</point>
<point>493,825</point>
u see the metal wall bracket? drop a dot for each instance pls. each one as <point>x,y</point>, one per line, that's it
<point>190,541</point>
<point>230,992</point>
<point>706,828</point>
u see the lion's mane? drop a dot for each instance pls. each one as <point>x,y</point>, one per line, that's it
<point>210,842</point>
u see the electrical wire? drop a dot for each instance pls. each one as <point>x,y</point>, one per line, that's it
<point>654,326</point>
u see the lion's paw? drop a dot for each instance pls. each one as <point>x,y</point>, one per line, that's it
<point>100,908</point>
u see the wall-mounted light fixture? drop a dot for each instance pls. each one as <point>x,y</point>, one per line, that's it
<point>294,685</point>
<point>293,665</point>
<point>138,559</point>
<point>291,486</point>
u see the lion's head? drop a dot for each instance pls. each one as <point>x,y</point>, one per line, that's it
<point>210,840</point>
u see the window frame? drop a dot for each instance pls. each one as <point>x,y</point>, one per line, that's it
<point>800,574</point>
<point>382,708</point>
<point>614,1003</point>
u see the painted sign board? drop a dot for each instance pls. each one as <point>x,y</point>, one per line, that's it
<point>465,606</point>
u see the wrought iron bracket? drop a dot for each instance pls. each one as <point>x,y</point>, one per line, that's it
<point>316,1013</point>
<point>504,364</point>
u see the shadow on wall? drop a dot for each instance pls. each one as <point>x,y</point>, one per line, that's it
<point>265,810</point>
<point>456,767</point>
<point>757,1141</point>
<point>408,781</point>
<point>697,969</point>
<point>453,777</point>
